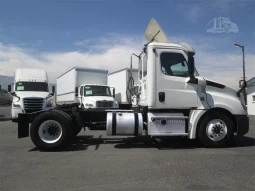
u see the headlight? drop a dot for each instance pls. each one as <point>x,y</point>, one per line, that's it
<point>16,105</point>
<point>89,104</point>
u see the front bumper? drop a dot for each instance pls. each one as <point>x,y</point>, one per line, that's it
<point>242,124</point>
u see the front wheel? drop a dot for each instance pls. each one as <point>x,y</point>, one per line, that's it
<point>216,130</point>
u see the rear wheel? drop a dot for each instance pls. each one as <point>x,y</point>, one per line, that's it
<point>75,125</point>
<point>51,130</point>
<point>216,130</point>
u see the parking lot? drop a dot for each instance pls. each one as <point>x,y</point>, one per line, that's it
<point>5,112</point>
<point>98,162</point>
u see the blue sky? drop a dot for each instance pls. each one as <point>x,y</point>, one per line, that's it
<point>43,29</point>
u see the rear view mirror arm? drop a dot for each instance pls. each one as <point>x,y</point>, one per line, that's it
<point>50,95</point>
<point>242,88</point>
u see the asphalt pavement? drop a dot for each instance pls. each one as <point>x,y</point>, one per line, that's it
<point>98,162</point>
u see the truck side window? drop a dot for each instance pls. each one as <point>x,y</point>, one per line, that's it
<point>81,91</point>
<point>174,64</point>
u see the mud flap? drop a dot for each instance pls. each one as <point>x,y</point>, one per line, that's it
<point>242,124</point>
<point>23,126</point>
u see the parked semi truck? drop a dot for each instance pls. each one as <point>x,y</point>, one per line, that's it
<point>30,92</point>
<point>91,86</point>
<point>172,100</point>
<point>120,81</point>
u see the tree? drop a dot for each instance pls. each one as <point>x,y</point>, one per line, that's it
<point>3,91</point>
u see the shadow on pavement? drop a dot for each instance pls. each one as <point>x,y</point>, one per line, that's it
<point>171,143</point>
<point>244,141</point>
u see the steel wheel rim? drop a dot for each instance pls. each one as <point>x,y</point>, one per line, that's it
<point>50,131</point>
<point>216,130</point>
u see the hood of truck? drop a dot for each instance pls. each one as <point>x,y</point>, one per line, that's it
<point>24,94</point>
<point>219,95</point>
<point>91,101</point>
<point>217,86</point>
<point>98,98</point>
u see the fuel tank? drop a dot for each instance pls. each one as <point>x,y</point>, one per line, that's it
<point>119,123</point>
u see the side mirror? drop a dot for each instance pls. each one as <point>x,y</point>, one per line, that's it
<point>9,88</point>
<point>113,92</point>
<point>76,91</point>
<point>244,84</point>
<point>191,65</point>
<point>53,89</point>
<point>241,83</point>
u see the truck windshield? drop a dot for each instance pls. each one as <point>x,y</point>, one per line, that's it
<point>97,91</point>
<point>32,86</point>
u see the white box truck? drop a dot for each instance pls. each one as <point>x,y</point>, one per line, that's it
<point>120,80</point>
<point>30,92</point>
<point>91,86</point>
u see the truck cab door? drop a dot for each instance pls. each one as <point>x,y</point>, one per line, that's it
<point>173,89</point>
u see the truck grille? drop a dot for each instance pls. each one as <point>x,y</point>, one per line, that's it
<point>33,104</point>
<point>104,104</point>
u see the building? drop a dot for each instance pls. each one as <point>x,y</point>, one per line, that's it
<point>251,96</point>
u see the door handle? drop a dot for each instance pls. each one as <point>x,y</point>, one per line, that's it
<point>161,96</point>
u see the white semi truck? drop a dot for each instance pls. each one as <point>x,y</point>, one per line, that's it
<point>30,92</point>
<point>120,81</point>
<point>91,87</point>
<point>172,100</point>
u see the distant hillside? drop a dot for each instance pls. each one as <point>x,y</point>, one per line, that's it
<point>5,81</point>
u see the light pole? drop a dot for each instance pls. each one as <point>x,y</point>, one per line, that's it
<point>242,47</point>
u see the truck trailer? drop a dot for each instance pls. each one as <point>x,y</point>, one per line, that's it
<point>120,81</point>
<point>172,100</point>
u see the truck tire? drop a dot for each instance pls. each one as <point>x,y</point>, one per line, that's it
<point>51,131</point>
<point>216,130</point>
<point>76,128</point>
